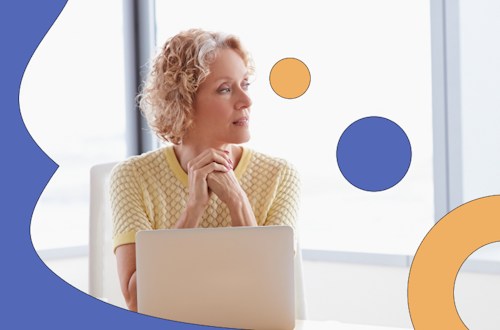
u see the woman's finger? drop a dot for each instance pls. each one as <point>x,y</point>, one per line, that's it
<point>212,167</point>
<point>204,171</point>
<point>209,156</point>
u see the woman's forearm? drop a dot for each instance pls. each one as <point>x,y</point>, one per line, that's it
<point>131,296</point>
<point>125,258</point>
<point>241,211</point>
<point>190,218</point>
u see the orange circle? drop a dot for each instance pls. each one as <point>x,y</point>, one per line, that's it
<point>439,258</point>
<point>290,78</point>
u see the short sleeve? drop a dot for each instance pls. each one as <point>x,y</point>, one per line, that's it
<point>128,208</point>
<point>284,209</point>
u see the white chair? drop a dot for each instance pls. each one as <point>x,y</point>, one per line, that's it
<point>103,275</point>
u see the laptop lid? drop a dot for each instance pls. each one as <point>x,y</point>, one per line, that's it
<point>234,277</point>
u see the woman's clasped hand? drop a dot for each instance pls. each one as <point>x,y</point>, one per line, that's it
<point>211,171</point>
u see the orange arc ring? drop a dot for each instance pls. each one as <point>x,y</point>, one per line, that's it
<point>439,258</point>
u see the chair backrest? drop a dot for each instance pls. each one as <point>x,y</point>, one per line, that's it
<point>300,296</point>
<point>103,275</point>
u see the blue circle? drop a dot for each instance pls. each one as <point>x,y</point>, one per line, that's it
<point>374,154</point>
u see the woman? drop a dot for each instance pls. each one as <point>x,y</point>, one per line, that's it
<point>197,98</point>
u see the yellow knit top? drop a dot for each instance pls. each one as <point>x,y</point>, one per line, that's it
<point>150,191</point>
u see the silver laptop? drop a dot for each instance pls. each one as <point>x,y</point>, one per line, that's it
<point>233,277</point>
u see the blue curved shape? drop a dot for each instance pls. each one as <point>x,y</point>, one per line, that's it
<point>33,297</point>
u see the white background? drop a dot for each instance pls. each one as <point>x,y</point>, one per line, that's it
<point>72,103</point>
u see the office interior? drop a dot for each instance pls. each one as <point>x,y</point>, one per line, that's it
<point>430,66</point>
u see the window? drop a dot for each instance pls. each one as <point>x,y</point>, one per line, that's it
<point>366,58</point>
<point>480,105</point>
<point>480,83</point>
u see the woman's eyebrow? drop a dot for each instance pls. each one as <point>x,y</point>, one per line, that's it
<point>229,78</point>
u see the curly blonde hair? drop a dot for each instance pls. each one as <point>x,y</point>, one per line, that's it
<point>182,64</point>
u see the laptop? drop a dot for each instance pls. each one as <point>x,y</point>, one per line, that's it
<point>232,277</point>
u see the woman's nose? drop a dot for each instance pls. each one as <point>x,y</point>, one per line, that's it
<point>244,100</point>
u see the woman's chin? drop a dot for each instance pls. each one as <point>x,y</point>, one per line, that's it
<point>241,139</point>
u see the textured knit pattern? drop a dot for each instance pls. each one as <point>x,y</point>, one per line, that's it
<point>146,194</point>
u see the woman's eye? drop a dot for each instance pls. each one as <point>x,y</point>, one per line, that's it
<point>226,90</point>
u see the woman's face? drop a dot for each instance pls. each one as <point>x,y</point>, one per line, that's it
<point>222,100</point>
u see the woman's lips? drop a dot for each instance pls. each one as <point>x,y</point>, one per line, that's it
<point>241,123</point>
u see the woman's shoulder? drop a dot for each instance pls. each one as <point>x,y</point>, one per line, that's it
<point>273,163</point>
<point>265,170</point>
<point>140,163</point>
